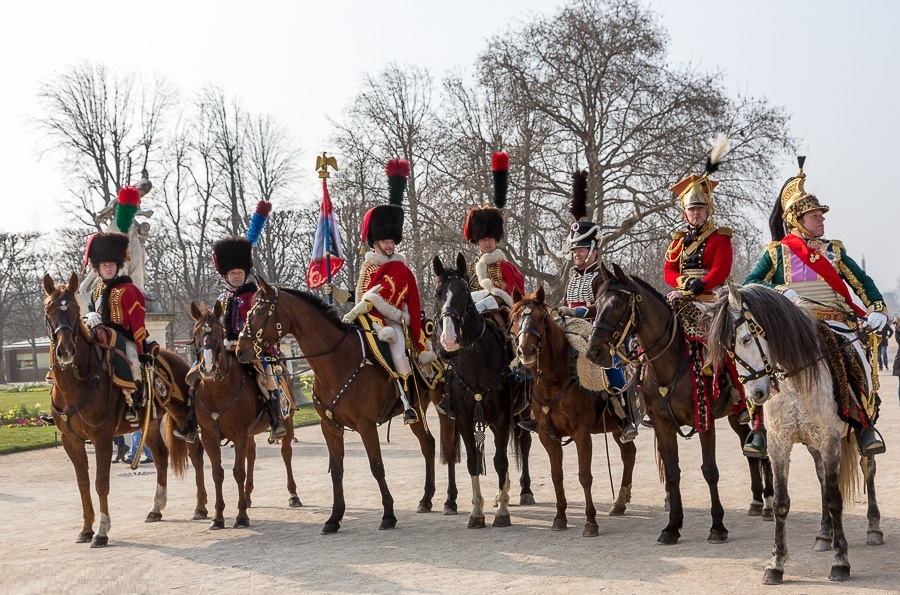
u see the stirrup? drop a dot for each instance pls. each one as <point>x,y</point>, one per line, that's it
<point>647,422</point>
<point>629,432</point>
<point>743,417</point>
<point>410,416</point>
<point>132,414</point>
<point>527,424</point>
<point>188,434</point>
<point>755,447</point>
<point>874,446</point>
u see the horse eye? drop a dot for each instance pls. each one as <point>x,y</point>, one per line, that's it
<point>745,339</point>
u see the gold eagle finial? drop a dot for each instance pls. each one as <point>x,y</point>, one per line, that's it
<point>323,162</point>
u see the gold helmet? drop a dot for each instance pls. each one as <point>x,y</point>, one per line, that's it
<point>795,202</point>
<point>696,190</point>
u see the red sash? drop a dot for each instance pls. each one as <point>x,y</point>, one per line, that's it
<point>823,267</point>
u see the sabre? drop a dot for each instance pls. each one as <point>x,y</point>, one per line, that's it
<point>147,373</point>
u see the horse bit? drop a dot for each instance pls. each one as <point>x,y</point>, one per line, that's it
<point>757,332</point>
<point>260,346</point>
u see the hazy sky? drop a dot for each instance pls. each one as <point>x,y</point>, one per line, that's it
<point>831,64</point>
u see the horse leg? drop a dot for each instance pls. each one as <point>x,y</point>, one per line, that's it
<point>287,452</point>
<point>334,439</point>
<point>584,447</point>
<point>212,448</point>
<point>369,435</point>
<point>103,454</point>
<point>250,464</point>
<point>239,471</point>
<point>831,461</point>
<point>501,465</point>
<point>555,452</point>
<point>826,533</point>
<point>195,451</point>
<point>756,482</point>
<point>78,455</point>
<point>476,517</point>
<point>523,439</point>
<point>668,453</point>
<point>427,446</point>
<point>717,533</point>
<point>874,536</point>
<point>160,453</point>
<point>780,457</point>
<point>628,452</point>
<point>450,451</point>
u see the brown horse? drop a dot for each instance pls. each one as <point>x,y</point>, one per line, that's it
<point>628,305</point>
<point>350,391</point>
<point>562,408</point>
<point>87,408</point>
<point>228,405</point>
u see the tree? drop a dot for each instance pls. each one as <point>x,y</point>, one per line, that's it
<point>14,249</point>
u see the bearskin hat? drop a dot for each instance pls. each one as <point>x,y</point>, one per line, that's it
<point>107,247</point>
<point>484,222</point>
<point>233,253</point>
<point>384,222</point>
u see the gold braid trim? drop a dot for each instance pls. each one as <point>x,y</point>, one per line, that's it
<point>772,249</point>
<point>115,305</point>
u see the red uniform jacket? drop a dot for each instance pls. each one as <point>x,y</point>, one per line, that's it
<point>713,254</point>
<point>122,307</point>
<point>396,298</point>
<point>235,307</point>
<point>503,275</point>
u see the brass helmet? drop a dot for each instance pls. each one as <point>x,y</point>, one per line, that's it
<point>697,190</point>
<point>795,202</point>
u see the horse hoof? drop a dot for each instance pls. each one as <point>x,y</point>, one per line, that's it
<point>666,538</point>
<point>330,528</point>
<point>839,573</point>
<point>85,537</point>
<point>216,525</point>
<point>717,536</point>
<point>526,499</point>
<point>240,523</point>
<point>768,514</point>
<point>559,525</point>
<point>756,509</point>
<point>424,507</point>
<point>450,510</point>
<point>387,523</point>
<point>476,522</point>
<point>200,514</point>
<point>590,530</point>
<point>103,541</point>
<point>616,510</point>
<point>874,538</point>
<point>153,517</point>
<point>294,502</point>
<point>773,576</point>
<point>822,544</point>
<point>502,521</point>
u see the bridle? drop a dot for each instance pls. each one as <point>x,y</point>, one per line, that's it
<point>626,327</point>
<point>54,327</point>
<point>261,345</point>
<point>757,332</point>
<point>528,326</point>
<point>459,318</point>
<point>208,342</point>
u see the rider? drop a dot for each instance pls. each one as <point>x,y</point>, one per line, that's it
<point>583,242</point>
<point>233,260</point>
<point>387,289</point>
<point>800,261</point>
<point>117,303</point>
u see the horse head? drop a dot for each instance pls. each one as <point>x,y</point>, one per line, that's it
<point>63,317</point>
<point>453,301</point>
<point>209,339</point>
<point>262,328</point>
<point>530,317</point>
<point>615,301</point>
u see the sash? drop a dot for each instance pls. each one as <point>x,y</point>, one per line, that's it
<point>823,267</point>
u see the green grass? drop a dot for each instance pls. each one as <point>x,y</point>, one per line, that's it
<point>21,439</point>
<point>12,399</point>
<point>306,416</point>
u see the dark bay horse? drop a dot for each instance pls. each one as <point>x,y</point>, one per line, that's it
<point>562,408</point>
<point>86,407</point>
<point>350,392</point>
<point>480,388</point>
<point>628,305</point>
<point>228,405</point>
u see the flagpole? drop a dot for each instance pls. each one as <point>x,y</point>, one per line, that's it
<point>322,164</point>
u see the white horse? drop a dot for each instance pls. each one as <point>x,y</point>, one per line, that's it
<point>777,349</point>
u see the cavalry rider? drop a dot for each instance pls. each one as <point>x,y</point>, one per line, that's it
<point>117,303</point>
<point>233,260</point>
<point>387,290</point>
<point>492,277</point>
<point>800,261</point>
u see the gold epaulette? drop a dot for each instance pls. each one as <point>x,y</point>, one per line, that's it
<point>678,234</point>
<point>838,245</point>
<point>725,231</point>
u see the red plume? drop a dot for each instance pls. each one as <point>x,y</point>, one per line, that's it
<point>129,195</point>
<point>500,161</point>
<point>263,208</point>
<point>397,167</point>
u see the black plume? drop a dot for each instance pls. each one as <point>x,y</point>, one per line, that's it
<point>578,205</point>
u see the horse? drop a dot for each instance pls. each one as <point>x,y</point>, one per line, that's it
<point>228,405</point>
<point>480,388</point>
<point>627,305</point>
<point>562,408</point>
<point>86,407</point>
<point>350,392</point>
<point>776,346</point>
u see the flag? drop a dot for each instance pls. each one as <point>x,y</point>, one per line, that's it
<point>327,253</point>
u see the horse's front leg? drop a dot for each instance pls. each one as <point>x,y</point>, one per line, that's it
<point>239,471</point>
<point>779,455</point>
<point>287,453</point>
<point>251,466</point>
<point>78,455</point>
<point>874,536</point>
<point>555,453</point>
<point>103,454</point>
<point>717,533</point>
<point>523,444</point>
<point>195,452</point>
<point>369,434</point>
<point>212,448</point>
<point>628,452</point>
<point>501,466</point>
<point>450,455</point>
<point>585,449</point>
<point>427,446</point>
<point>160,453</point>
<point>476,517</point>
<point>667,446</point>
<point>334,439</point>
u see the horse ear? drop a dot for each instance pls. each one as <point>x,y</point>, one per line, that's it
<point>195,311</point>
<point>517,295</point>
<point>734,296</point>
<point>49,286</point>
<point>264,286</point>
<point>620,274</point>
<point>605,272</point>
<point>461,266</point>
<point>595,285</point>
<point>73,284</point>
<point>217,310</point>
<point>438,266</point>
<point>539,295</point>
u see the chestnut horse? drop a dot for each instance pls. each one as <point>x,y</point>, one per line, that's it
<point>228,405</point>
<point>87,408</point>
<point>350,391</point>
<point>631,306</point>
<point>562,408</point>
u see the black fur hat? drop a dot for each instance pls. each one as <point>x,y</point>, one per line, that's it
<point>484,222</point>
<point>384,222</point>
<point>233,253</point>
<point>107,247</point>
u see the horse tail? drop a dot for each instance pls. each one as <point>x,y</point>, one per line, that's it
<point>178,450</point>
<point>517,443</point>
<point>848,480</point>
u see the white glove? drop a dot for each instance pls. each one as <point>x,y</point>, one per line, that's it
<point>426,357</point>
<point>92,319</point>
<point>876,321</point>
<point>488,303</point>
<point>675,294</point>
<point>229,344</point>
<point>566,312</point>
<point>361,308</point>
<point>790,294</point>
<point>338,293</point>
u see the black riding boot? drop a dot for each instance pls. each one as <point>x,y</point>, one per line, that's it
<point>133,414</point>
<point>189,432</point>
<point>273,405</point>
<point>756,447</point>
<point>527,424</point>
<point>629,432</point>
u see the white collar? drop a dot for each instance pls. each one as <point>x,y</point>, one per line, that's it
<point>492,257</point>
<point>378,259</point>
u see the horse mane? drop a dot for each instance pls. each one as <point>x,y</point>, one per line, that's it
<point>791,333</point>
<point>319,304</point>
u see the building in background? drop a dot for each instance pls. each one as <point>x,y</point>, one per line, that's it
<point>19,363</point>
